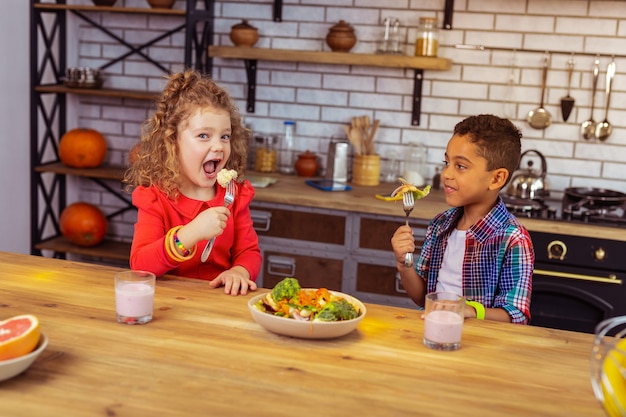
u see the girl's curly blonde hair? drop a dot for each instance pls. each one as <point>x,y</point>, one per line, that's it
<point>154,160</point>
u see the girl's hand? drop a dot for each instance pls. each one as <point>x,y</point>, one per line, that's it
<point>235,281</point>
<point>211,222</point>
<point>402,242</point>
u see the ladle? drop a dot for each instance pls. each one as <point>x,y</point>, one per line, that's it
<point>604,129</point>
<point>540,118</point>
<point>588,128</point>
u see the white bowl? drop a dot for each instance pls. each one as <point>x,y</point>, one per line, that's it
<point>306,329</point>
<point>12,367</point>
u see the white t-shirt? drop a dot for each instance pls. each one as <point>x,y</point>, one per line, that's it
<point>450,277</point>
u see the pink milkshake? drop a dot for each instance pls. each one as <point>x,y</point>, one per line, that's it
<point>443,327</point>
<point>443,321</point>
<point>134,296</point>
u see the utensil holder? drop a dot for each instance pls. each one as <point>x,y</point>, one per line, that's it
<point>366,170</point>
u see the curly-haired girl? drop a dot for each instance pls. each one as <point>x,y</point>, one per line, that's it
<point>195,132</point>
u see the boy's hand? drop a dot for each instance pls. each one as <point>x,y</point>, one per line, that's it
<point>235,281</point>
<point>402,242</point>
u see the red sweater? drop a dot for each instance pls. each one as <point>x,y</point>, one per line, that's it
<point>237,245</point>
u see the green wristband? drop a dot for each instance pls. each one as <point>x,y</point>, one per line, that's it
<point>480,309</point>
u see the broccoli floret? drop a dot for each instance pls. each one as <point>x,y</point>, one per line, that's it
<point>337,310</point>
<point>286,289</point>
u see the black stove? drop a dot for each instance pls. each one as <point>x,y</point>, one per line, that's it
<point>565,210</point>
<point>578,281</point>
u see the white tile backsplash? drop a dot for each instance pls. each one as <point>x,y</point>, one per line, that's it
<point>321,98</point>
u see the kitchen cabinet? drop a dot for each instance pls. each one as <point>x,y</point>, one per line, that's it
<point>373,275</point>
<point>49,110</point>
<point>296,241</point>
<point>343,251</point>
<point>252,55</point>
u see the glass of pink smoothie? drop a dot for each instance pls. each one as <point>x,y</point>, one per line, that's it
<point>443,320</point>
<point>134,296</point>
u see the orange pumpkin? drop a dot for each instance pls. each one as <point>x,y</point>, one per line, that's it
<point>82,148</point>
<point>83,224</point>
<point>133,154</point>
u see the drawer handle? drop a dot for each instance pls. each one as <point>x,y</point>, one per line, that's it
<point>612,279</point>
<point>261,220</point>
<point>281,265</point>
<point>399,286</point>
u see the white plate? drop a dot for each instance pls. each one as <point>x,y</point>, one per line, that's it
<point>261,182</point>
<point>12,367</point>
<point>306,329</point>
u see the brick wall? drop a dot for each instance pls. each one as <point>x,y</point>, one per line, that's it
<point>322,98</point>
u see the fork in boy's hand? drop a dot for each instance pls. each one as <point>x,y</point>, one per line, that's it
<point>408,202</point>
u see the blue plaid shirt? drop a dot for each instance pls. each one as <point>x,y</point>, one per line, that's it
<point>498,262</point>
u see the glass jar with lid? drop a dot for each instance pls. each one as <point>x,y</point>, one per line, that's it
<point>415,164</point>
<point>427,42</point>
<point>265,154</point>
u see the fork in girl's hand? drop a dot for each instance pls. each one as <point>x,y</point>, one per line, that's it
<point>229,197</point>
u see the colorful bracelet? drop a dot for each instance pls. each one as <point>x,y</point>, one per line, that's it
<point>171,246</point>
<point>180,246</point>
<point>480,309</point>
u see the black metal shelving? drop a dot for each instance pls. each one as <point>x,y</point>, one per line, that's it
<point>48,110</point>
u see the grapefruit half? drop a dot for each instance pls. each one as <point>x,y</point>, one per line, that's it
<point>18,336</point>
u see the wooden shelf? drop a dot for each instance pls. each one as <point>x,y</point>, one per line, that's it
<point>338,58</point>
<point>101,92</point>
<point>79,8</point>
<point>106,172</point>
<point>251,55</point>
<point>106,249</point>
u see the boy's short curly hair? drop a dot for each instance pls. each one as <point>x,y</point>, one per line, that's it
<point>498,140</point>
<point>156,155</point>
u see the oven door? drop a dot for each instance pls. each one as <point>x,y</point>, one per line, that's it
<point>574,298</point>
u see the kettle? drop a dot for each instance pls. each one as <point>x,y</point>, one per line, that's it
<point>526,183</point>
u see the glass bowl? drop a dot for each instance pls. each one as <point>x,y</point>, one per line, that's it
<point>608,365</point>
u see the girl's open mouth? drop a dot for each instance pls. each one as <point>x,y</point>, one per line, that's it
<point>210,167</point>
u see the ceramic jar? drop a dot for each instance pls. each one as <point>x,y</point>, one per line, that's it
<point>306,165</point>
<point>161,4</point>
<point>341,37</point>
<point>244,34</point>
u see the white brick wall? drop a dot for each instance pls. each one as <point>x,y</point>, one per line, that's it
<point>322,98</point>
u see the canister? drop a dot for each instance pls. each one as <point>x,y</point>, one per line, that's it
<point>337,163</point>
<point>415,164</point>
<point>427,42</point>
<point>265,155</point>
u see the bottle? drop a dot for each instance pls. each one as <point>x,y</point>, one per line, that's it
<point>285,158</point>
<point>427,41</point>
<point>437,179</point>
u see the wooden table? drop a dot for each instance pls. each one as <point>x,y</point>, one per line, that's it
<point>204,355</point>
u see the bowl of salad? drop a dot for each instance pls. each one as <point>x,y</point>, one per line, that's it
<point>308,313</point>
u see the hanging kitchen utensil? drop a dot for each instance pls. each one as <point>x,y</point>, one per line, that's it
<point>604,129</point>
<point>588,128</point>
<point>540,118</point>
<point>508,103</point>
<point>567,102</point>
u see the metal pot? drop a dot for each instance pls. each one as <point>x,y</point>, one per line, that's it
<point>526,183</point>
<point>594,197</point>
